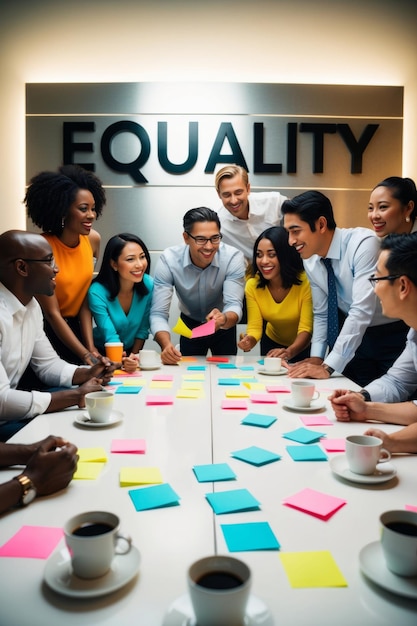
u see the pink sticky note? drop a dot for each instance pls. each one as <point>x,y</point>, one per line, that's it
<point>159,400</point>
<point>315,503</point>
<point>130,446</point>
<point>277,389</point>
<point>316,420</point>
<point>234,404</point>
<point>333,445</point>
<point>163,377</point>
<point>32,542</point>
<point>410,507</point>
<point>205,329</point>
<point>265,398</point>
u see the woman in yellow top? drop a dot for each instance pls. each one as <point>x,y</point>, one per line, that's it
<point>64,205</point>
<point>278,297</point>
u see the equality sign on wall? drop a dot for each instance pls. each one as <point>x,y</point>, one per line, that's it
<point>157,146</point>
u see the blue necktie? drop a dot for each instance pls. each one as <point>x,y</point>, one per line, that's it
<point>332,312</point>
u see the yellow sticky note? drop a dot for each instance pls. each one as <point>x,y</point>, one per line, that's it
<point>257,386</point>
<point>181,328</point>
<point>312,569</point>
<point>193,376</point>
<point>92,455</point>
<point>140,476</point>
<point>237,393</point>
<point>88,471</point>
<point>195,386</point>
<point>161,384</point>
<point>189,393</point>
<point>135,381</point>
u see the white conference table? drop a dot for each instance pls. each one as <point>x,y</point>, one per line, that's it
<point>193,432</point>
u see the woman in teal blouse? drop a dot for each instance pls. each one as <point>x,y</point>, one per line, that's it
<point>120,296</point>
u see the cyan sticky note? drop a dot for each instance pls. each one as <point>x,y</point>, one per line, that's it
<point>249,536</point>
<point>213,472</point>
<point>227,366</point>
<point>232,501</point>
<point>311,452</point>
<point>257,419</point>
<point>256,456</point>
<point>128,389</point>
<point>154,497</point>
<point>303,435</point>
<point>197,368</point>
<point>229,381</point>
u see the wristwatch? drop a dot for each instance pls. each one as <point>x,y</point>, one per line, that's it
<point>328,368</point>
<point>28,490</point>
<point>365,395</point>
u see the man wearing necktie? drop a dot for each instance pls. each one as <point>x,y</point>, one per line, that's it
<point>350,333</point>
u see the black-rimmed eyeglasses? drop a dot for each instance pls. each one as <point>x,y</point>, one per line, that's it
<point>201,241</point>
<point>50,261</point>
<point>374,279</point>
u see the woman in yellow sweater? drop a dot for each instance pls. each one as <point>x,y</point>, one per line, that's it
<point>64,205</point>
<point>279,296</point>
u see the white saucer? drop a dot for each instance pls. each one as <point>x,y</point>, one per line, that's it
<point>149,368</point>
<point>58,575</point>
<point>373,565</point>
<point>181,613</point>
<point>280,372</point>
<point>316,405</point>
<point>84,420</point>
<point>383,471</point>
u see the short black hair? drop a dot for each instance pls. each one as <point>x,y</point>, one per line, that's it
<point>402,258</point>
<point>310,206</point>
<point>200,214</point>
<point>291,264</point>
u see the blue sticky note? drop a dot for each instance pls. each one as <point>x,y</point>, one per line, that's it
<point>114,382</point>
<point>232,501</point>
<point>128,389</point>
<point>213,472</point>
<point>229,381</point>
<point>306,453</point>
<point>256,456</point>
<point>250,536</point>
<point>304,435</point>
<point>153,497</point>
<point>197,368</point>
<point>226,366</point>
<point>246,368</point>
<point>257,419</point>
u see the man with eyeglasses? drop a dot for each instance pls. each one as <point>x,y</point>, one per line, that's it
<point>348,322</point>
<point>388,398</point>
<point>27,268</point>
<point>208,278</point>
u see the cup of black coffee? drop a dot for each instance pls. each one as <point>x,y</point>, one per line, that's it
<point>219,588</point>
<point>399,541</point>
<point>93,539</point>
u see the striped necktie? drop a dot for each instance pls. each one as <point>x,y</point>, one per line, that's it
<point>332,312</point>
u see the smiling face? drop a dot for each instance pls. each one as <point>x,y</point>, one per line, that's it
<point>303,239</point>
<point>267,260</point>
<point>42,271</point>
<point>131,263</point>
<point>386,290</point>
<point>388,214</point>
<point>202,255</point>
<point>233,192</point>
<point>81,214</point>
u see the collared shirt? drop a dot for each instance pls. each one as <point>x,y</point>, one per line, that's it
<point>220,285</point>
<point>22,340</point>
<point>354,253</point>
<point>400,381</point>
<point>264,212</point>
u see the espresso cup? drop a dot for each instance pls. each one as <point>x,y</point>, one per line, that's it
<point>149,358</point>
<point>114,351</point>
<point>93,539</point>
<point>272,364</point>
<point>364,452</point>
<point>303,392</point>
<point>399,541</point>
<point>219,589</point>
<point>99,405</point>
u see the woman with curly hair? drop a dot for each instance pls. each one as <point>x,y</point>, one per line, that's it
<point>278,296</point>
<point>64,204</point>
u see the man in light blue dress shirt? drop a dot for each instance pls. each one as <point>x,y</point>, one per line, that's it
<point>368,342</point>
<point>208,277</point>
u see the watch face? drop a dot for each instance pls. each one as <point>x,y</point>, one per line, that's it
<point>28,496</point>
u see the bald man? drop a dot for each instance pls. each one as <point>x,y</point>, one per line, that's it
<point>27,268</point>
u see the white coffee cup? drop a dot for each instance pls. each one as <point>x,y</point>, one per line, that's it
<point>272,364</point>
<point>93,539</point>
<point>399,541</point>
<point>219,588</point>
<point>364,452</point>
<point>149,358</point>
<point>99,405</point>
<point>303,392</point>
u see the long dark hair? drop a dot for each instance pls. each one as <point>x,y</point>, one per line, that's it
<point>114,248</point>
<point>291,264</point>
<point>403,189</point>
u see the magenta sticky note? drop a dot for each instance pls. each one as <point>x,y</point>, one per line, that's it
<point>265,398</point>
<point>208,328</point>
<point>316,420</point>
<point>130,446</point>
<point>333,445</point>
<point>32,542</point>
<point>315,503</point>
<point>277,389</point>
<point>163,377</point>
<point>411,507</point>
<point>234,404</point>
<point>162,400</point>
